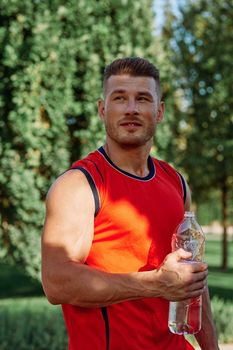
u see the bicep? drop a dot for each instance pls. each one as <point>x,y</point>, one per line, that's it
<point>68,228</point>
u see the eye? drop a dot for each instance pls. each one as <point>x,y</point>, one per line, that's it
<point>143,98</point>
<point>119,98</point>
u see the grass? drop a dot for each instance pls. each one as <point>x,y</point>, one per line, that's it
<point>220,281</point>
<point>31,323</point>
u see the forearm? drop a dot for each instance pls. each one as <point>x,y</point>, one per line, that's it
<point>207,338</point>
<point>66,281</point>
<point>81,285</point>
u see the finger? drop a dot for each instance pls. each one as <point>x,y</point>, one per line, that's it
<point>196,293</point>
<point>197,286</point>
<point>191,294</point>
<point>197,266</point>
<point>200,276</point>
<point>181,254</point>
<point>200,266</point>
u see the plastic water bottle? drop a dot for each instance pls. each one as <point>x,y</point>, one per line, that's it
<point>185,316</point>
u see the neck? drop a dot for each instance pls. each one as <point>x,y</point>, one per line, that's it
<point>134,160</point>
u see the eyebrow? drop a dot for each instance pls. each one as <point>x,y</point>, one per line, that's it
<point>118,91</point>
<point>122,91</point>
<point>146,93</point>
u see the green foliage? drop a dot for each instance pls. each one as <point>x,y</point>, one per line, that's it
<point>163,54</point>
<point>52,57</point>
<point>223,317</point>
<point>31,324</point>
<point>16,283</point>
<point>220,281</point>
<point>35,95</point>
<point>119,28</point>
<point>211,210</point>
<point>200,39</point>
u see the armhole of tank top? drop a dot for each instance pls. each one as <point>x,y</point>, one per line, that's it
<point>183,185</point>
<point>92,186</point>
<point>182,181</point>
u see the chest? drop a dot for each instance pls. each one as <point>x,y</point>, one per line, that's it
<point>151,205</point>
<point>134,226</point>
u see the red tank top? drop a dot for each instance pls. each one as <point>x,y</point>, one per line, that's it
<point>134,222</point>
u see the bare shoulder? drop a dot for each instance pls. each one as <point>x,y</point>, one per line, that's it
<point>70,191</point>
<point>69,218</point>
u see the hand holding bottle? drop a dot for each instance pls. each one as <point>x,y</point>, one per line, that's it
<point>180,280</point>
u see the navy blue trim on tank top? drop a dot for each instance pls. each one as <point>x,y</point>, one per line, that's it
<point>183,186</point>
<point>91,161</point>
<point>181,178</point>
<point>92,185</point>
<point>104,311</point>
<point>164,168</point>
<point>151,167</point>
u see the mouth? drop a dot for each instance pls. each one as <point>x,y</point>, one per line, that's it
<point>130,127</point>
<point>130,124</point>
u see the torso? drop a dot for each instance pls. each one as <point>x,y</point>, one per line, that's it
<point>133,230</point>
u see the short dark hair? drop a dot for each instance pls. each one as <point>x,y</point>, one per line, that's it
<point>134,66</point>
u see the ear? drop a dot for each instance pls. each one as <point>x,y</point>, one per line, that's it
<point>101,110</point>
<point>160,112</point>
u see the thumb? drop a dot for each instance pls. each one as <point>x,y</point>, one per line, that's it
<point>182,254</point>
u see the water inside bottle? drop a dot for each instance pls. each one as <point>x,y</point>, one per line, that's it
<point>192,241</point>
<point>185,316</point>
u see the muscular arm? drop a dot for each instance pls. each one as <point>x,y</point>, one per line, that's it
<point>66,242</point>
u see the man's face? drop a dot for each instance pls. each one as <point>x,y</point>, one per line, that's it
<point>130,110</point>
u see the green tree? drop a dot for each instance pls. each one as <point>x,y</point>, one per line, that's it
<point>163,54</point>
<point>52,56</point>
<point>119,28</point>
<point>35,95</point>
<point>201,39</point>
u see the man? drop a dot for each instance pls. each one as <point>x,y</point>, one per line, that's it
<point>108,228</point>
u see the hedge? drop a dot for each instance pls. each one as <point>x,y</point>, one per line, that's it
<point>31,324</point>
<point>34,324</point>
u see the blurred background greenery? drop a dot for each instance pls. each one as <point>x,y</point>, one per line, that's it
<point>52,56</point>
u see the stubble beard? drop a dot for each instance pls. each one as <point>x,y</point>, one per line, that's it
<point>129,140</point>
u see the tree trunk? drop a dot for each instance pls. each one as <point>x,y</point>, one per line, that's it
<point>224,221</point>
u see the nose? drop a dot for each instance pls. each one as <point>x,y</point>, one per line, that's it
<point>131,107</point>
